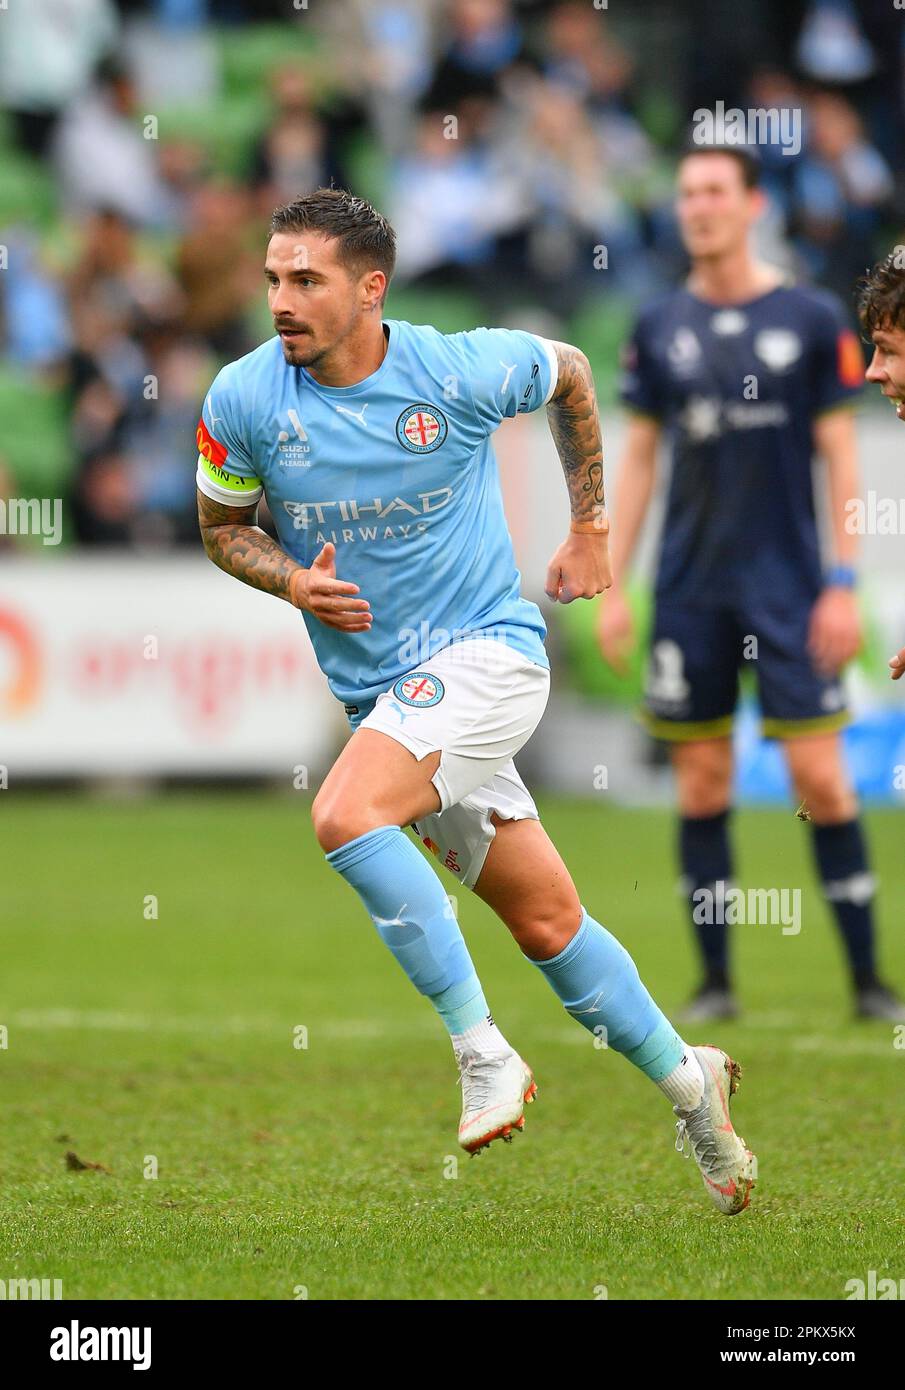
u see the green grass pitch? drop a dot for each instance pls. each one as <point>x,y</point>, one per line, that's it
<point>331,1170</point>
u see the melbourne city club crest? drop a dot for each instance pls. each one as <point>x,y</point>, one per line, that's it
<point>421,428</point>
<point>420,688</point>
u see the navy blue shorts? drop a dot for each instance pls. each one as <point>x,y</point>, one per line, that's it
<point>696,657</point>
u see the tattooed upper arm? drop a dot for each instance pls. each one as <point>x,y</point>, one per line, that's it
<point>211,513</point>
<point>237,545</point>
<point>574,370</point>
<point>575,427</point>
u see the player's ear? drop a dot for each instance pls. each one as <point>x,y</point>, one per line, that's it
<point>758,200</point>
<point>373,286</point>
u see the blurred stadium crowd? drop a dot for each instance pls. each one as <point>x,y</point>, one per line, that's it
<point>144,145</point>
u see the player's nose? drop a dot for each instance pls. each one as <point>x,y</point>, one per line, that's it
<point>874,371</point>
<point>281,301</point>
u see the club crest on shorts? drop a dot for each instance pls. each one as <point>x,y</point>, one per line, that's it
<point>421,428</point>
<point>420,689</point>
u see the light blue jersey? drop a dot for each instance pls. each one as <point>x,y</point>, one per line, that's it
<point>398,471</point>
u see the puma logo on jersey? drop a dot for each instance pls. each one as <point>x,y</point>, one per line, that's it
<point>358,415</point>
<point>210,410</point>
<point>509,370</point>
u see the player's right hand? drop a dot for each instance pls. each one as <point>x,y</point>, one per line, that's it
<point>615,630</point>
<point>319,592</point>
<point>897,663</point>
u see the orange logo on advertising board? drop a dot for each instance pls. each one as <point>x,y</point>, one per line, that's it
<point>850,359</point>
<point>209,447</point>
<point>19,688</point>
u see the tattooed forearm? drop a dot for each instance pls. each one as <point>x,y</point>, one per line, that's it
<point>242,549</point>
<point>575,426</point>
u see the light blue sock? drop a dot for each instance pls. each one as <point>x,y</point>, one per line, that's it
<point>598,982</point>
<point>407,904</point>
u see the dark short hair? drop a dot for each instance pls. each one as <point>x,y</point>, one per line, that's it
<point>881,294</point>
<point>748,162</point>
<point>366,239</point>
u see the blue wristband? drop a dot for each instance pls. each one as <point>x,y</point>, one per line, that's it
<point>840,577</point>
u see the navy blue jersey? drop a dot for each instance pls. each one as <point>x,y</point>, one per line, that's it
<point>738,387</point>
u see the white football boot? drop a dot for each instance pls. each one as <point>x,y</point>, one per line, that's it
<point>495,1090</point>
<point>728,1168</point>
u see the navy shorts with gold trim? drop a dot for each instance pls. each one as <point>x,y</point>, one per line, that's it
<point>696,657</point>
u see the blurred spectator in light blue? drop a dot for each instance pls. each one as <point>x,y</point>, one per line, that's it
<point>383,55</point>
<point>293,156</point>
<point>48,52</point>
<point>581,53</point>
<point>35,322</point>
<point>445,203</point>
<point>484,41</point>
<point>114,295</point>
<point>772,90</point>
<point>769,90</point>
<point>162,486</point>
<point>183,168</point>
<point>580,235</point>
<point>101,158</point>
<point>220,267</point>
<point>831,46</point>
<point>172,55</point>
<point>582,57</point>
<point>841,187</point>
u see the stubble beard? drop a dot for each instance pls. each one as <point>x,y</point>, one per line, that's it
<point>300,353</point>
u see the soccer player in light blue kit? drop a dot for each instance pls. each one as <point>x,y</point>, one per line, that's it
<point>370,440</point>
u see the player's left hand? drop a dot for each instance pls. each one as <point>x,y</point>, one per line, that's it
<point>897,663</point>
<point>580,568</point>
<point>834,635</point>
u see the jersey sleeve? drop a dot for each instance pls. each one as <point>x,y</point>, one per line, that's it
<point>509,371</point>
<point>226,472</point>
<point>640,386</point>
<point>837,362</point>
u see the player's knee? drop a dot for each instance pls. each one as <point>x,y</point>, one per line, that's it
<point>704,778</point>
<point>827,795</point>
<point>543,929</point>
<point>337,820</point>
<point>703,795</point>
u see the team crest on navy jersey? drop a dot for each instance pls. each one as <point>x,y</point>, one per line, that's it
<point>684,352</point>
<point>728,323</point>
<point>419,688</point>
<point>780,348</point>
<point>421,428</point>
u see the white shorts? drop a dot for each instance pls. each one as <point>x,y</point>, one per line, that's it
<point>478,701</point>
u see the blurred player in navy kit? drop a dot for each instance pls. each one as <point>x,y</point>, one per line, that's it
<point>750,377</point>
